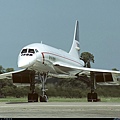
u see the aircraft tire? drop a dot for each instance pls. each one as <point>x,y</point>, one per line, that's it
<point>43,98</point>
<point>32,97</point>
<point>92,97</point>
<point>89,97</point>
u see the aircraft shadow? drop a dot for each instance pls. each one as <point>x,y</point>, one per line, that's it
<point>17,102</point>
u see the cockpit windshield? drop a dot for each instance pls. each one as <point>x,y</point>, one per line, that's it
<point>31,51</point>
<point>24,51</point>
<point>28,52</point>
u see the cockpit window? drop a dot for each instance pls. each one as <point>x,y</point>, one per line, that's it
<point>28,52</point>
<point>31,51</point>
<point>24,51</point>
<point>36,50</point>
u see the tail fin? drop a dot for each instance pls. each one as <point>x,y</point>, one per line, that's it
<point>74,51</point>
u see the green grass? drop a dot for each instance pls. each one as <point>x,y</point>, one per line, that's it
<point>13,99</point>
<point>103,99</point>
<point>60,99</point>
<point>110,99</point>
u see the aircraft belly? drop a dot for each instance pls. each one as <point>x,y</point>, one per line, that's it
<point>66,70</point>
<point>39,66</point>
<point>61,70</point>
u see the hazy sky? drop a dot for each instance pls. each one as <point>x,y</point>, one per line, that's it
<point>24,22</point>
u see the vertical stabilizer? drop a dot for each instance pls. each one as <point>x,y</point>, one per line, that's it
<point>74,51</point>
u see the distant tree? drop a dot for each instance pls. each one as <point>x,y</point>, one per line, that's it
<point>8,91</point>
<point>87,58</point>
<point>2,70</point>
<point>9,69</point>
<point>5,84</point>
<point>115,69</point>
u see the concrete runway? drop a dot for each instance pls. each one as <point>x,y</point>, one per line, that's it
<point>60,110</point>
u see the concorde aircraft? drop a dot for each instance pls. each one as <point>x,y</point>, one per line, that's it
<point>40,61</point>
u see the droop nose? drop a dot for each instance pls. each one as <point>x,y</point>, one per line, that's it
<point>23,64</point>
<point>26,61</point>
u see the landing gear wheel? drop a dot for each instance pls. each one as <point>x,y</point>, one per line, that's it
<point>92,97</point>
<point>32,97</point>
<point>43,98</point>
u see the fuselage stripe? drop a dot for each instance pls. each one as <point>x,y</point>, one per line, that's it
<point>43,58</point>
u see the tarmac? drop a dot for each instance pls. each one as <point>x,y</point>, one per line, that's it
<point>59,110</point>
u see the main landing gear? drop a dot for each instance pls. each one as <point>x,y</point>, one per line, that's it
<point>33,97</point>
<point>92,96</point>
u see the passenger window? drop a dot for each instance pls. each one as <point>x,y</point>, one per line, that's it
<point>31,51</point>
<point>24,51</point>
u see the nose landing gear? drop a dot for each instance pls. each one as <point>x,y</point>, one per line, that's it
<point>33,97</point>
<point>43,78</point>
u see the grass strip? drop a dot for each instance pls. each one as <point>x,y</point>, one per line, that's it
<point>60,99</point>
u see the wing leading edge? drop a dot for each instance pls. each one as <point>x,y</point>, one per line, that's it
<point>21,77</point>
<point>9,74</point>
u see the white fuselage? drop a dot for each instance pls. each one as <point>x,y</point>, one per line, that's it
<point>44,58</point>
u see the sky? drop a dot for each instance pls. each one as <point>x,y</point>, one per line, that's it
<point>23,22</point>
